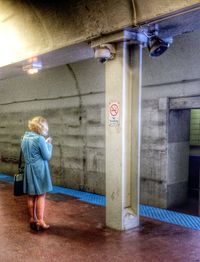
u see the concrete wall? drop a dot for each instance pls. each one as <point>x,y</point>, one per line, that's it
<point>154,152</point>
<point>72,98</point>
<point>174,74</point>
<point>178,156</point>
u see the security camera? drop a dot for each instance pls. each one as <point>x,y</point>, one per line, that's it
<point>104,53</point>
<point>103,60</point>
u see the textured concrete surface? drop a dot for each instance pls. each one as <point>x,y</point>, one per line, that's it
<point>147,11</point>
<point>32,28</point>
<point>122,157</point>
<point>178,156</point>
<point>40,27</point>
<point>185,102</point>
<point>179,126</point>
<point>164,161</point>
<point>72,99</point>
<point>78,233</point>
<point>65,95</point>
<point>178,162</point>
<point>177,193</point>
<point>154,154</point>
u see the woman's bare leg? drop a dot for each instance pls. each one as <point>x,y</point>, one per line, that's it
<point>40,207</point>
<point>34,209</point>
<point>31,207</point>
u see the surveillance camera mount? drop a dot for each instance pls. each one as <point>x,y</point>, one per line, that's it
<point>104,47</point>
<point>104,52</point>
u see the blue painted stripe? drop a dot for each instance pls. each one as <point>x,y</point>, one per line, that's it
<point>6,178</point>
<point>163,215</point>
<point>82,196</point>
<point>172,217</point>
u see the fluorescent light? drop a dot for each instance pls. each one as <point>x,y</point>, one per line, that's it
<point>32,71</point>
<point>33,68</point>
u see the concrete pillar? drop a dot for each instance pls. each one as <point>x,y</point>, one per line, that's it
<point>123,115</point>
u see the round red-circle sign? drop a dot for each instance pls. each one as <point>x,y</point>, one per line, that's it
<point>114,110</point>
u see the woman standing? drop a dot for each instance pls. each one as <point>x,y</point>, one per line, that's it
<point>37,151</point>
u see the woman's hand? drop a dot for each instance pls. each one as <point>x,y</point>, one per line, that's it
<point>49,140</point>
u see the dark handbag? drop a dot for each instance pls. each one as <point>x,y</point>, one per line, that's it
<point>19,178</point>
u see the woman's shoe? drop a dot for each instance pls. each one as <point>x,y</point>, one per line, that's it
<point>42,226</point>
<point>33,224</point>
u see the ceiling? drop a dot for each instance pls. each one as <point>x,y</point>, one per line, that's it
<point>174,25</point>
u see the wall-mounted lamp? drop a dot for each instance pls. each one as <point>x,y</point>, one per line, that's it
<point>157,46</point>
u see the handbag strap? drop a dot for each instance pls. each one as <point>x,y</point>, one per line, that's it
<point>20,161</point>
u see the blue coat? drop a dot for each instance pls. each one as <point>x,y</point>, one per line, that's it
<point>37,153</point>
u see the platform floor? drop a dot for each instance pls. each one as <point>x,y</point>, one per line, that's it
<point>78,233</point>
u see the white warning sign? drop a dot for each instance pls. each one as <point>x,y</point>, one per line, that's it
<point>114,114</point>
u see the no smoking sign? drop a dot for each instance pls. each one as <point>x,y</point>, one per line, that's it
<point>114,114</point>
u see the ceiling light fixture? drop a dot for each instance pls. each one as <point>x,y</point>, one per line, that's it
<point>33,68</point>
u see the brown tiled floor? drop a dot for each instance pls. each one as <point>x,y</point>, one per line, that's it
<point>78,233</point>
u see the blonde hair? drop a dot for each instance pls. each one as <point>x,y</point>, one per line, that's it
<point>37,125</point>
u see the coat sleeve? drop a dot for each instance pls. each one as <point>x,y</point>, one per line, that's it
<point>45,149</point>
